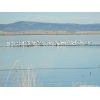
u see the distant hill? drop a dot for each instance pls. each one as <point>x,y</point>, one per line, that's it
<point>23,26</point>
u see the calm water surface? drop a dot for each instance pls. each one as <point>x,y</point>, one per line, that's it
<point>40,59</point>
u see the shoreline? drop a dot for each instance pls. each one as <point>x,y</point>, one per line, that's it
<point>51,33</point>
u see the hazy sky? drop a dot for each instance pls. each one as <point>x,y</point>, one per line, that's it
<point>55,17</point>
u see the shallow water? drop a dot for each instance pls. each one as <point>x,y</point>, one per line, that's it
<point>50,66</point>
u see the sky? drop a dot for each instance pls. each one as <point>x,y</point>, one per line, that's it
<point>51,17</point>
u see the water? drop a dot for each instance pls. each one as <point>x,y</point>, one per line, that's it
<point>39,60</point>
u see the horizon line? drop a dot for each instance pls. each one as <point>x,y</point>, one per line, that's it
<point>49,22</point>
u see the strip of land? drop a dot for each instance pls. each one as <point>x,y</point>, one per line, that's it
<point>52,33</point>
